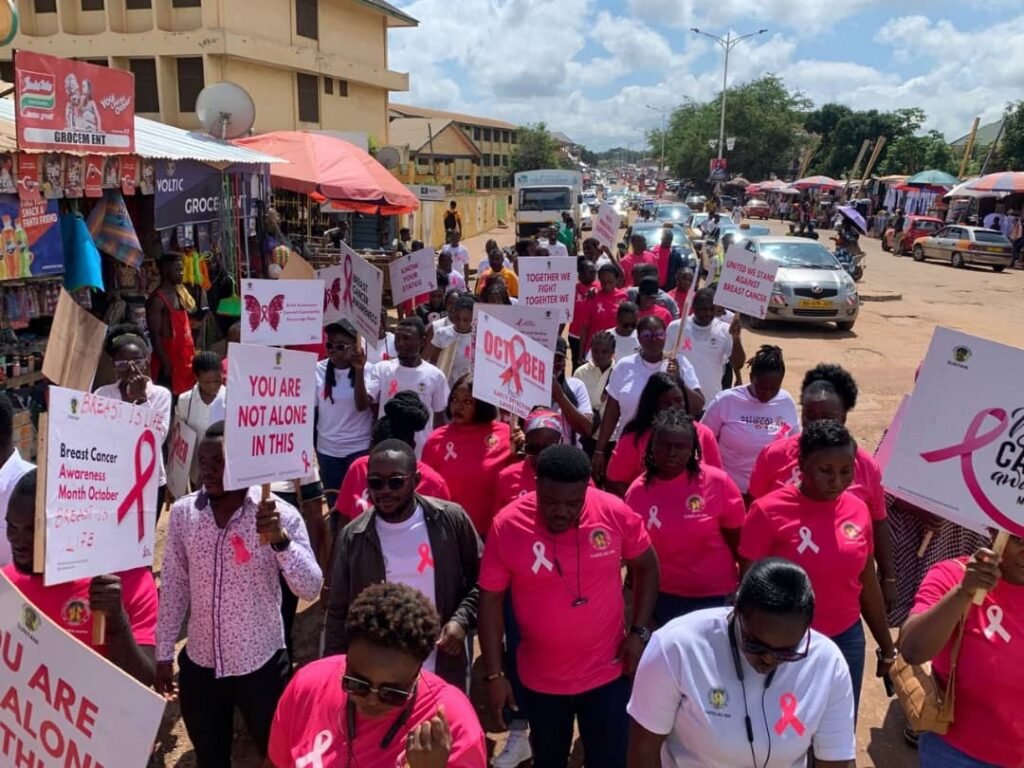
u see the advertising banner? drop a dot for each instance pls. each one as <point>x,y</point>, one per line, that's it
<point>282,311</point>
<point>549,283</point>
<point>70,106</point>
<point>510,370</point>
<point>30,238</point>
<point>353,291</point>
<point>746,282</point>
<point>412,275</point>
<point>189,192</point>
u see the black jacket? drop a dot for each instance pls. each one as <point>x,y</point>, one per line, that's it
<point>456,550</point>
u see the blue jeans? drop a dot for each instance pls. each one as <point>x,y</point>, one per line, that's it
<point>934,752</point>
<point>604,725</point>
<point>851,644</point>
<point>671,607</point>
<point>332,473</point>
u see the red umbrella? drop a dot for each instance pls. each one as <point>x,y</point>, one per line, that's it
<point>1008,181</point>
<point>817,181</point>
<point>328,168</point>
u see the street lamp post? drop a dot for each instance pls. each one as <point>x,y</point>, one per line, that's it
<point>664,114</point>
<point>726,43</point>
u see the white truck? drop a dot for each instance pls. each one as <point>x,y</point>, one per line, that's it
<point>543,196</point>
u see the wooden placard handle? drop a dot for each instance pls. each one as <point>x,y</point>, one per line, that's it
<point>998,546</point>
<point>925,542</point>
<point>264,496</point>
<point>99,628</point>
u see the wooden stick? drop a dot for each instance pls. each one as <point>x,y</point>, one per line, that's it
<point>924,543</point>
<point>265,496</point>
<point>997,546</point>
<point>99,628</point>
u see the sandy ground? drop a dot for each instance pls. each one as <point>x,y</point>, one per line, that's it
<point>882,351</point>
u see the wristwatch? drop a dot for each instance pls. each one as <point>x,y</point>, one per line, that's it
<point>642,632</point>
<point>282,545</point>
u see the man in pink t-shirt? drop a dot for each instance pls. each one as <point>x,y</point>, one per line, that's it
<point>127,599</point>
<point>639,255</point>
<point>559,553</point>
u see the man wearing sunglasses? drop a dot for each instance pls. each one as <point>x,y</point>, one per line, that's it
<point>406,538</point>
<point>750,685</point>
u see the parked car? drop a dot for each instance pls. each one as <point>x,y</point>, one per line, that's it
<point>961,246</point>
<point>915,228</point>
<point>810,287</point>
<point>672,212</point>
<point>756,208</point>
<point>651,232</point>
<point>754,230</point>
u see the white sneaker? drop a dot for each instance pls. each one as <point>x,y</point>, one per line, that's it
<point>517,750</point>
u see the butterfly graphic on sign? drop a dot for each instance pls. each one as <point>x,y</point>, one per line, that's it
<point>332,295</point>
<point>271,311</point>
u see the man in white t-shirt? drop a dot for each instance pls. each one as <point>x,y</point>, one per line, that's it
<point>709,343</point>
<point>410,371</point>
<point>726,687</point>
<point>459,254</point>
<point>12,468</point>
<point>551,242</point>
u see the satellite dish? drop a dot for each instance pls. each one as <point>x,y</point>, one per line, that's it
<point>8,21</point>
<point>389,157</point>
<point>225,110</point>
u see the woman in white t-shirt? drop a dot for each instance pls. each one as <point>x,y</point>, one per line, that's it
<point>344,416</point>
<point>202,405</point>
<point>748,417</point>
<point>750,685</point>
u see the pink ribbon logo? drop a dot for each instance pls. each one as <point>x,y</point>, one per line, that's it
<point>426,561</point>
<point>511,377</point>
<point>787,703</point>
<point>136,495</point>
<point>975,440</point>
<point>346,297</point>
<point>393,388</point>
<point>305,462</point>
<point>784,430</point>
<point>242,555</point>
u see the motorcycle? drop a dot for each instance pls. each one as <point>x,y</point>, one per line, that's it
<point>851,259</point>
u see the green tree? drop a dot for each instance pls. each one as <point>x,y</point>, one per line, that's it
<point>911,154</point>
<point>536,149</point>
<point>843,131</point>
<point>1011,147</point>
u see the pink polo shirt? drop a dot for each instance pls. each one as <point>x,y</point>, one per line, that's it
<point>685,518</point>
<point>831,540</point>
<point>600,312</point>
<point>626,463</point>
<point>990,674</point>
<point>566,649</point>
<point>778,465</point>
<point>514,481</point>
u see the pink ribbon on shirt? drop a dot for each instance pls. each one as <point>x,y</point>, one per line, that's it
<point>426,561</point>
<point>787,703</point>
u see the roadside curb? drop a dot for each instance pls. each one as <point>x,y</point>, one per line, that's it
<point>880,295</point>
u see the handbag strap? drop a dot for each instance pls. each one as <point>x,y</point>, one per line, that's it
<point>954,657</point>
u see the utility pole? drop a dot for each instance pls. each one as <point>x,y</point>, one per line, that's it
<point>664,115</point>
<point>726,43</point>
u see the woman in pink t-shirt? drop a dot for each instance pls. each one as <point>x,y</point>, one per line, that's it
<point>987,728</point>
<point>470,451</point>
<point>693,514</point>
<point>601,309</point>
<point>827,531</point>
<point>376,707</point>
<point>542,428</point>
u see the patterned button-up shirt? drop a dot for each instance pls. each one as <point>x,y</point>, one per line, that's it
<point>230,583</point>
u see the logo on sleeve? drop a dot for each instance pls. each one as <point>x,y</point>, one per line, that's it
<point>75,612</point>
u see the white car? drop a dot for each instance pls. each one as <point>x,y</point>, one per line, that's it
<point>586,219</point>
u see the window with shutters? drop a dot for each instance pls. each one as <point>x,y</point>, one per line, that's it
<point>328,86</point>
<point>343,88</point>
<point>186,4</point>
<point>309,97</point>
<point>147,98</point>
<point>92,5</point>
<point>46,6</point>
<point>138,5</point>
<point>190,82</point>
<point>306,22</point>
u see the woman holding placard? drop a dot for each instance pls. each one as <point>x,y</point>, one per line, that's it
<point>202,405</point>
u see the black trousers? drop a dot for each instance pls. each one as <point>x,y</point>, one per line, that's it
<point>208,706</point>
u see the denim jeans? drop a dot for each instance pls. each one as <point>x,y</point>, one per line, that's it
<point>671,607</point>
<point>332,472</point>
<point>604,725</point>
<point>851,644</point>
<point>933,751</point>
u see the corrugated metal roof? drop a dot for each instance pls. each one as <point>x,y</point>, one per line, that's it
<point>406,110</point>
<point>396,16</point>
<point>157,141</point>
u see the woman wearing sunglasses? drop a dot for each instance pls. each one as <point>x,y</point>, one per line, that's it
<point>827,531</point>
<point>753,685</point>
<point>376,707</point>
<point>629,378</point>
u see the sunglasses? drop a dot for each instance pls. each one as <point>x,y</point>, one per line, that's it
<point>755,648</point>
<point>390,695</point>
<point>339,347</point>
<point>652,336</point>
<point>393,483</point>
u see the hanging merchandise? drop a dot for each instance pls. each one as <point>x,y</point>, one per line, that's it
<point>82,259</point>
<point>112,230</point>
<point>24,302</point>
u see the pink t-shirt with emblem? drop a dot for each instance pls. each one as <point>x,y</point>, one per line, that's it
<point>571,616</point>
<point>584,293</point>
<point>469,458</point>
<point>778,465</point>
<point>990,674</point>
<point>514,481</point>
<point>685,518</point>
<point>627,460</point>
<point>601,311</point>
<point>831,540</point>
<point>309,728</point>
<point>353,499</point>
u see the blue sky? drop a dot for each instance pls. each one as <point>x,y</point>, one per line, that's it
<point>588,67</point>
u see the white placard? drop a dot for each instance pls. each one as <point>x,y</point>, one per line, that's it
<point>412,275</point>
<point>539,324</point>
<point>63,703</point>
<point>352,291</point>
<point>960,451</point>
<point>282,311</point>
<point>606,226</point>
<point>181,448</point>
<point>884,452</point>
<point>510,370</point>
<point>549,283</point>
<point>268,435</point>
<point>102,473</point>
<point>746,282</point>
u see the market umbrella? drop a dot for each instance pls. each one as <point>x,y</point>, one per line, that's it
<point>964,190</point>
<point>1008,182</point>
<point>739,181</point>
<point>771,184</point>
<point>932,178</point>
<point>331,169</point>
<point>853,215</point>
<point>817,181</point>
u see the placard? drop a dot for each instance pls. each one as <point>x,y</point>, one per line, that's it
<point>606,226</point>
<point>412,275</point>
<point>75,345</point>
<point>70,106</point>
<point>282,311</point>
<point>271,396</point>
<point>549,283</point>
<point>885,447</point>
<point>746,283</point>
<point>353,291</point>
<point>510,370</point>
<point>538,323</point>
<point>63,703</point>
<point>181,448</point>
<point>960,451</point>
<point>102,472</point>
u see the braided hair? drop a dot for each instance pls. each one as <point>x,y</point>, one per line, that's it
<point>330,377</point>
<point>647,408</point>
<point>768,359</point>
<point>404,416</point>
<point>673,418</point>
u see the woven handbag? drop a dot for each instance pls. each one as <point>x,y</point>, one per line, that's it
<point>928,707</point>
